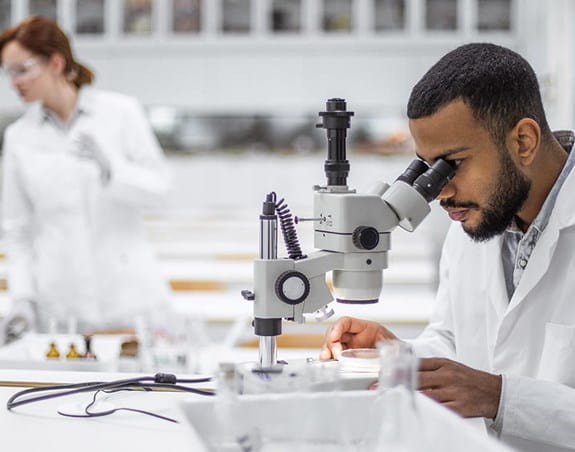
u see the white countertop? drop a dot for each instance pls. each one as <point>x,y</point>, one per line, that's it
<point>38,427</point>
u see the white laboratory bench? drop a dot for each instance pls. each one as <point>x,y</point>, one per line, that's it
<point>38,427</point>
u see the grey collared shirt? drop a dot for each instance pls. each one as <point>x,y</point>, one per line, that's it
<point>517,246</point>
<point>52,118</point>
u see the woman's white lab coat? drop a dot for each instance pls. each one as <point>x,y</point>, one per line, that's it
<point>530,340</point>
<point>75,245</point>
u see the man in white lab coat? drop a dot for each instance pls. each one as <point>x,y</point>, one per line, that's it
<point>502,335</point>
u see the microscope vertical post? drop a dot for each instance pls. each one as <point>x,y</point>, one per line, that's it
<point>268,250</point>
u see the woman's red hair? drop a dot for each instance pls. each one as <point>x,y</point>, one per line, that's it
<point>44,37</point>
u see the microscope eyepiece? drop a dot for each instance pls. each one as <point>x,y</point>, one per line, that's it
<point>336,120</point>
<point>431,182</point>
<point>336,104</point>
<point>415,169</point>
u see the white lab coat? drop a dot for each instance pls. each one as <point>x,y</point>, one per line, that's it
<point>74,245</point>
<point>530,340</point>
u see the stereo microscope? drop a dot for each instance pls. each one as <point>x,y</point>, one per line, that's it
<point>351,234</point>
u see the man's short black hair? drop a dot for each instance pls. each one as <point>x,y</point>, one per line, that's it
<point>498,85</point>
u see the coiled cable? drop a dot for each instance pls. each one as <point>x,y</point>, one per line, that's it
<point>288,229</point>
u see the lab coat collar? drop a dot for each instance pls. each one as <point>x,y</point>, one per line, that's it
<point>85,100</point>
<point>34,113</point>
<point>84,105</point>
<point>564,214</point>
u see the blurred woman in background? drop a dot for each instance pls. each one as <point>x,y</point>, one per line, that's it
<point>79,166</point>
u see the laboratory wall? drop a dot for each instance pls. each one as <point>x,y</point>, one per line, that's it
<point>239,57</point>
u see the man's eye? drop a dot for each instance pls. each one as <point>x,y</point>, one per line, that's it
<point>456,162</point>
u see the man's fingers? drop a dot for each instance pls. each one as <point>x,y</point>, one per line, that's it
<point>435,372</point>
<point>330,351</point>
<point>347,338</point>
<point>441,395</point>
<point>336,350</point>
<point>454,406</point>
<point>348,325</point>
<point>342,326</point>
<point>325,354</point>
<point>349,332</point>
<point>429,379</point>
<point>431,363</point>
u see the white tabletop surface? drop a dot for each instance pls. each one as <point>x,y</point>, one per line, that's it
<point>38,427</point>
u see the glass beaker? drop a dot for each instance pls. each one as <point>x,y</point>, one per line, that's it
<point>234,431</point>
<point>398,365</point>
<point>393,415</point>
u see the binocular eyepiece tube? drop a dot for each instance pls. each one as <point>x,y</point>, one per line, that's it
<point>428,180</point>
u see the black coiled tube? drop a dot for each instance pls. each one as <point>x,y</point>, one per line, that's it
<point>288,230</point>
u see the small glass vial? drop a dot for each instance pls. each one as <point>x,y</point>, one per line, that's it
<point>72,352</point>
<point>53,352</point>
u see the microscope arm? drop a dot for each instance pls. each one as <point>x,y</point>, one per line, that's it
<point>285,288</point>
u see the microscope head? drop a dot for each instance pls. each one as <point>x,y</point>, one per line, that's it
<point>369,219</point>
<point>358,225</point>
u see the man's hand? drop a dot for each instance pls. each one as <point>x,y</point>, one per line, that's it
<point>468,392</point>
<point>349,332</point>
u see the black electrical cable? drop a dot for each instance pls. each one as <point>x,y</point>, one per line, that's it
<point>158,381</point>
<point>112,411</point>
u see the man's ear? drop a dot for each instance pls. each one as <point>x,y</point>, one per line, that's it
<point>523,141</point>
<point>57,63</point>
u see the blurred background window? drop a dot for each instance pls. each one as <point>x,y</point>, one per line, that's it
<point>138,16</point>
<point>236,16</point>
<point>90,16</point>
<point>5,13</point>
<point>389,15</point>
<point>186,16</point>
<point>441,14</point>
<point>337,15</point>
<point>286,16</point>
<point>46,8</point>
<point>494,15</point>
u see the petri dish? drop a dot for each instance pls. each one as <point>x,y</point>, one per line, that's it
<point>359,360</point>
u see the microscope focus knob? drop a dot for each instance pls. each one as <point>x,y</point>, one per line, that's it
<point>365,237</point>
<point>292,287</point>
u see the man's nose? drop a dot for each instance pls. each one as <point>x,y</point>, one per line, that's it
<point>447,192</point>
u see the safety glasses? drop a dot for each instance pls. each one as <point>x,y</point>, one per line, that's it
<point>25,70</point>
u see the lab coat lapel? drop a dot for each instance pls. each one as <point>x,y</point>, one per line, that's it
<point>496,288</point>
<point>537,266</point>
<point>561,217</point>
